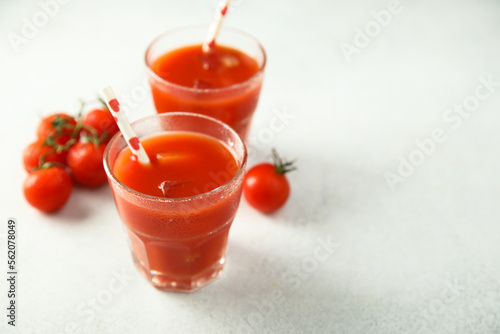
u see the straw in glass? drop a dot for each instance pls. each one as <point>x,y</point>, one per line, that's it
<point>214,28</point>
<point>122,121</point>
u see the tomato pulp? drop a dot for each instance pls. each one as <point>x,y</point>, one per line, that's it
<point>224,83</point>
<point>179,238</point>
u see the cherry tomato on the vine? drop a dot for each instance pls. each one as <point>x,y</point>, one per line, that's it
<point>266,186</point>
<point>85,162</point>
<point>102,121</point>
<point>48,189</point>
<point>68,149</point>
<point>39,152</point>
<point>58,126</point>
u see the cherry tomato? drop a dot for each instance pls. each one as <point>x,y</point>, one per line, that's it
<point>85,162</point>
<point>48,189</point>
<point>102,121</point>
<point>39,152</point>
<point>58,126</point>
<point>266,186</point>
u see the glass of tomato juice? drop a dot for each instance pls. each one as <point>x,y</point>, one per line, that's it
<point>177,210</point>
<point>223,83</point>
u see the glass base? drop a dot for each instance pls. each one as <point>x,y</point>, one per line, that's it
<point>181,283</point>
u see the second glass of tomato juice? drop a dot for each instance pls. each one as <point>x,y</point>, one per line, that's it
<point>223,83</point>
<point>178,209</point>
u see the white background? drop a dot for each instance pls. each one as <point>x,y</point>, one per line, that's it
<point>419,257</point>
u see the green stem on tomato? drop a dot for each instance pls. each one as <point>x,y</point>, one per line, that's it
<point>282,166</point>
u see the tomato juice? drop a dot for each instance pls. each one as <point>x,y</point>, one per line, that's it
<point>223,83</point>
<point>178,209</point>
<point>182,164</point>
<point>189,66</point>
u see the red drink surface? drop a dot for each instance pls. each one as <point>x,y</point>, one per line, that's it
<point>182,164</point>
<point>181,239</point>
<point>221,68</point>
<point>191,67</point>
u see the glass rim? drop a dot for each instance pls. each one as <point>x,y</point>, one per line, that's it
<point>118,135</point>
<point>254,77</point>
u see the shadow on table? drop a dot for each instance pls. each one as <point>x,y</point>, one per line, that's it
<point>258,293</point>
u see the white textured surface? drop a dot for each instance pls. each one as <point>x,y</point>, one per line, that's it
<point>423,258</point>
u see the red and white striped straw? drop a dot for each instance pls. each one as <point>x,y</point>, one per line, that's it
<point>122,121</point>
<point>214,28</point>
